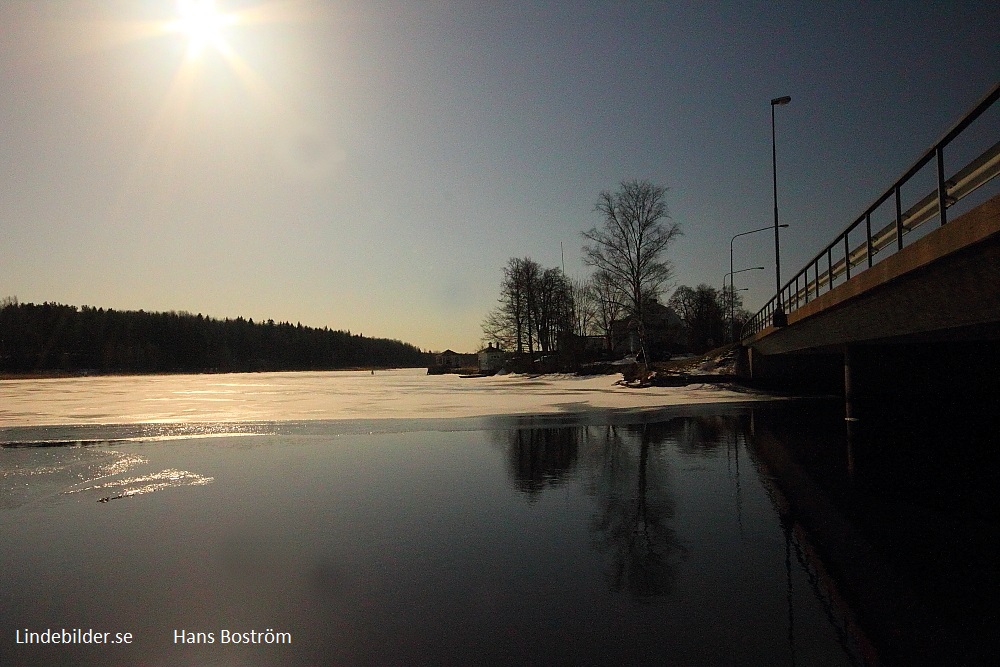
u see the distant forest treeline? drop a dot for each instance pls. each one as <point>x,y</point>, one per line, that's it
<point>56,337</point>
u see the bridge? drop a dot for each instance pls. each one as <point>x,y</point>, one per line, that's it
<point>897,307</point>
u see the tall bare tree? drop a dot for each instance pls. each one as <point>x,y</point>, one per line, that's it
<point>510,325</point>
<point>553,315</point>
<point>608,304</point>
<point>703,312</point>
<point>584,307</point>
<point>630,245</point>
<point>535,308</point>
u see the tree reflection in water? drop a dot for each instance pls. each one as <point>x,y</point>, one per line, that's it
<point>625,468</point>
<point>540,458</point>
<point>629,481</point>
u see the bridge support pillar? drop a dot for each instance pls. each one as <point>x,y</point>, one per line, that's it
<point>742,365</point>
<point>850,415</point>
<point>849,380</point>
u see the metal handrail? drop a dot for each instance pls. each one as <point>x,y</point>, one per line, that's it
<point>807,283</point>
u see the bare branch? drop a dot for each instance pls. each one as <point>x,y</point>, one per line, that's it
<point>628,248</point>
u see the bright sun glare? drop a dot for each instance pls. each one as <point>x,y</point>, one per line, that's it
<point>202,23</point>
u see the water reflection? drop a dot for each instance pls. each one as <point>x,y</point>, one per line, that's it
<point>539,458</point>
<point>651,541</point>
<point>635,475</point>
<point>626,469</point>
<point>834,594</point>
<point>893,518</point>
<point>888,524</point>
<point>29,472</point>
<point>629,479</point>
<point>143,484</point>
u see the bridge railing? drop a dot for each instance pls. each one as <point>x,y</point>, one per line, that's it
<point>821,273</point>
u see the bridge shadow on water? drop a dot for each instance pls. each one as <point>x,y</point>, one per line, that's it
<point>899,510</point>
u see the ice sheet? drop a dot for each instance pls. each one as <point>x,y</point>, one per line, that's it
<point>302,396</point>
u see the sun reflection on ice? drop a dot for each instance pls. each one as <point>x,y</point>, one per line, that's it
<point>143,484</point>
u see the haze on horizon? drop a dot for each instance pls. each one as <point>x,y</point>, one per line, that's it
<point>372,166</point>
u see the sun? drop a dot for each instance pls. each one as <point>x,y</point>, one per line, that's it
<point>203,25</point>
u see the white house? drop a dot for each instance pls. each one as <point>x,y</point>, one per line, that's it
<point>490,359</point>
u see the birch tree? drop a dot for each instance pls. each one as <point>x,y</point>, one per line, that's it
<point>629,246</point>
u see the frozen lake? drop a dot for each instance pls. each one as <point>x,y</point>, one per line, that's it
<point>332,395</point>
<point>405,519</point>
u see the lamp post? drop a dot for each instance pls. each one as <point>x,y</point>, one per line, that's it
<point>752,231</point>
<point>732,294</point>
<point>780,319</point>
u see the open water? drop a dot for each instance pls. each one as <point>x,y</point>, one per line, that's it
<point>741,534</point>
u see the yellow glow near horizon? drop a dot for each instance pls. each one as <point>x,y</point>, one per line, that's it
<point>203,25</point>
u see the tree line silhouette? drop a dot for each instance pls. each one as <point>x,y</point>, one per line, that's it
<point>57,337</point>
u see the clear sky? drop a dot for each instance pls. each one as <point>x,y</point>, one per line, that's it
<point>371,166</point>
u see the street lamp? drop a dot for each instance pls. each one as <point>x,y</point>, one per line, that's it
<point>732,295</point>
<point>780,319</point>
<point>752,231</point>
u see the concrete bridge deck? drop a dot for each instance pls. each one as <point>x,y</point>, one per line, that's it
<point>945,286</point>
<point>922,322</point>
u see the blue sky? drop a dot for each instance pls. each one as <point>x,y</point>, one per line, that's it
<point>372,165</point>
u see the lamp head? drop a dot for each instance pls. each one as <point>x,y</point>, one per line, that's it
<point>781,100</point>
